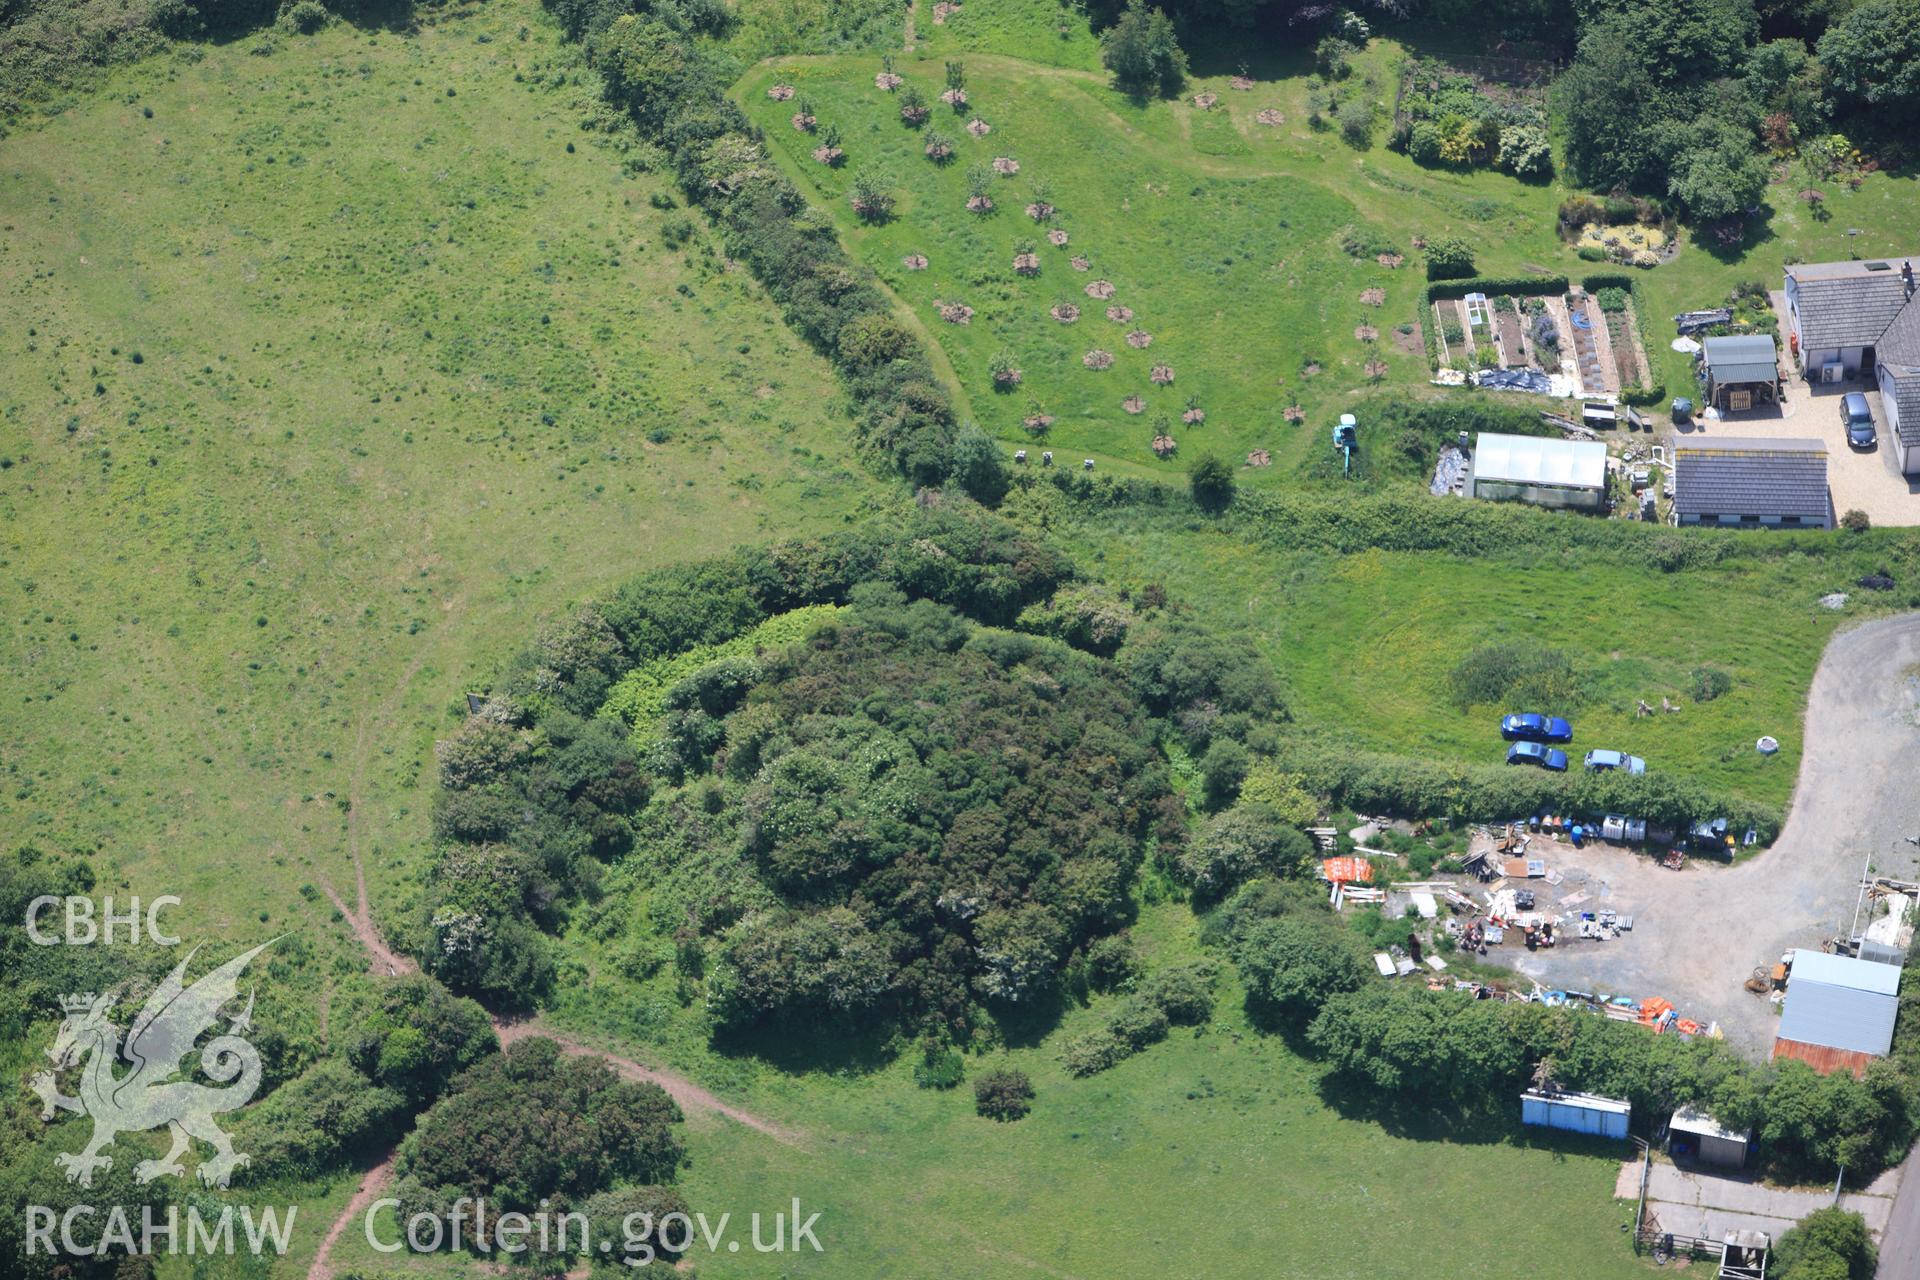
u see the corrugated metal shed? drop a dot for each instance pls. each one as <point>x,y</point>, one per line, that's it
<point>1845,971</point>
<point>1715,1143</point>
<point>1578,464</point>
<point>1576,1112</point>
<point>1751,477</point>
<point>1747,357</point>
<point>1838,1002</point>
<point>1822,1059</point>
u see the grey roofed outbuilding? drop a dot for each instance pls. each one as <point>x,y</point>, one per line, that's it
<point>1906,403</point>
<point>1899,353</point>
<point>1839,1002</point>
<point>1846,304</point>
<point>1747,357</point>
<point>1751,477</point>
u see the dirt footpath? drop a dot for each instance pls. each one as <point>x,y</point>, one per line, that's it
<point>1698,933</point>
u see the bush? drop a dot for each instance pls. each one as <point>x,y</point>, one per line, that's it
<point>940,1066</point>
<point>1211,482</point>
<point>1093,1052</point>
<point>1138,1022</point>
<point>1246,841</point>
<point>305,16</point>
<point>1709,683</point>
<point>1355,118</point>
<point>1591,253</point>
<point>1004,1093</point>
<point>1113,963</point>
<point>1611,299</point>
<point>1828,1244</point>
<point>1184,992</point>
<point>1855,521</point>
<point>1517,672</point>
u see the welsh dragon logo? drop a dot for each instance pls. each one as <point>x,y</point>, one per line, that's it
<point>148,1096</point>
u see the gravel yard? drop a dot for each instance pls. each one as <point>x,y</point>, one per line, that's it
<point>1699,932</point>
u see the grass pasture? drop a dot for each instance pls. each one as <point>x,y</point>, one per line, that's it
<point>319,386</point>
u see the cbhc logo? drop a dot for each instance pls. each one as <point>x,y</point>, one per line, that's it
<point>83,929</point>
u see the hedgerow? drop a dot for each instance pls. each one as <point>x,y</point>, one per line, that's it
<point>656,66</point>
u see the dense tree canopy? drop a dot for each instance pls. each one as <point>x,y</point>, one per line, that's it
<point>531,1124</point>
<point>1872,59</point>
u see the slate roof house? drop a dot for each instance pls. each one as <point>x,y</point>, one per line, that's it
<point>1860,319</point>
<point>1759,482</point>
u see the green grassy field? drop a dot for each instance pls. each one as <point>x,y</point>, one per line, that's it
<point>319,386</point>
<point>322,383</point>
<point>1365,642</point>
<point>1222,235</point>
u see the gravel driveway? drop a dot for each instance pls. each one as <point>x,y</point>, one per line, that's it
<point>1699,932</point>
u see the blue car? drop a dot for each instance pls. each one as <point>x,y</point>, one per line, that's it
<point>1601,761</point>
<point>1533,727</point>
<point>1537,753</point>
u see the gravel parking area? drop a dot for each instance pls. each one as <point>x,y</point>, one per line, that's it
<point>1865,479</point>
<point>1699,932</point>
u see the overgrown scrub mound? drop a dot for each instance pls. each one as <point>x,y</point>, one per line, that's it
<point>1164,447</point>
<point>1097,359</point>
<point>1205,101</point>
<point>1270,117</point>
<point>1040,211</point>
<point>1543,678</point>
<point>804,121</point>
<point>980,204</point>
<point>1065,312</point>
<point>955,312</point>
<point>829,155</point>
<point>780,92</point>
<point>1027,264</point>
<point>1003,1094</point>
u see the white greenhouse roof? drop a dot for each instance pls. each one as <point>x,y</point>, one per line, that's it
<point>1577,464</point>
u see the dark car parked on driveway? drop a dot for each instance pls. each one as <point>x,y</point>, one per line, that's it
<point>1532,727</point>
<point>1857,415</point>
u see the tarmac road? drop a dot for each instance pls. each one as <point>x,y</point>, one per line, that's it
<point>1700,932</point>
<point>1900,1245</point>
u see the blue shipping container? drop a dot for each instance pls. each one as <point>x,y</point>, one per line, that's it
<point>1577,1113</point>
